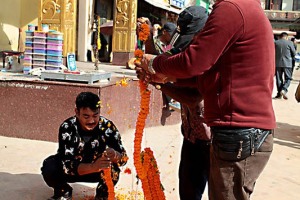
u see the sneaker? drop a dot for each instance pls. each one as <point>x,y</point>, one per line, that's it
<point>62,195</point>
<point>278,96</point>
<point>283,93</point>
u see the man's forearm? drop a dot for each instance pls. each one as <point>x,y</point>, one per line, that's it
<point>188,96</point>
<point>86,168</point>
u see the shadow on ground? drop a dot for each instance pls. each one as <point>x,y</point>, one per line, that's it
<point>32,187</point>
<point>288,135</point>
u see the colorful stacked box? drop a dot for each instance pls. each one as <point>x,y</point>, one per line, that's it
<point>43,49</point>
<point>28,50</point>
<point>39,49</point>
<point>54,50</point>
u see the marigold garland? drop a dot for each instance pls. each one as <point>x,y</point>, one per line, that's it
<point>144,32</point>
<point>144,161</point>
<point>109,183</point>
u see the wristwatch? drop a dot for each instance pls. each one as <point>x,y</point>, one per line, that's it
<point>150,67</point>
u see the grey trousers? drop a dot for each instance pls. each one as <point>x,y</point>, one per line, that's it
<point>235,180</point>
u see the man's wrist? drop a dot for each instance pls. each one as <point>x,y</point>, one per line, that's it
<point>150,66</point>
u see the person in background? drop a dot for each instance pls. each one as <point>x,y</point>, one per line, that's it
<point>294,59</point>
<point>158,45</point>
<point>88,143</point>
<point>284,54</point>
<point>194,162</point>
<point>234,72</point>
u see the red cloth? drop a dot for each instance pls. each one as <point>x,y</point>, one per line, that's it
<point>233,58</point>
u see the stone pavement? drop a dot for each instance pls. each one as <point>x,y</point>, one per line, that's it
<point>21,160</point>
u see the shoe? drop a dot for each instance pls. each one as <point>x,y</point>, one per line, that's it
<point>62,195</point>
<point>278,96</point>
<point>283,93</point>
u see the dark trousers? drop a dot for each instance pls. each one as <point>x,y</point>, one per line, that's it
<point>231,180</point>
<point>54,176</point>
<point>283,78</point>
<point>193,169</point>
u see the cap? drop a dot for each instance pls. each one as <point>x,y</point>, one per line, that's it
<point>190,21</point>
<point>169,27</point>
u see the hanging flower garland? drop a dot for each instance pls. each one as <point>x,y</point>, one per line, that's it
<point>144,161</point>
<point>109,183</point>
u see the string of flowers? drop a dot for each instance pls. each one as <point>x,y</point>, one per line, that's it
<point>109,183</point>
<point>144,162</point>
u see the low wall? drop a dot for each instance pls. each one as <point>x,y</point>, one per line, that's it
<point>35,109</point>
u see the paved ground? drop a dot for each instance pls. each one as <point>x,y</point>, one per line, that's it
<point>21,160</point>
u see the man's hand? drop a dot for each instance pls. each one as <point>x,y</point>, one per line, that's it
<point>88,168</point>
<point>112,155</point>
<point>101,163</point>
<point>151,78</point>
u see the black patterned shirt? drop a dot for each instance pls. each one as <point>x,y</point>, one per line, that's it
<point>78,146</point>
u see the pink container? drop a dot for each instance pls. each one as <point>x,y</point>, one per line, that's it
<point>39,34</point>
<point>54,46</point>
<point>38,62</point>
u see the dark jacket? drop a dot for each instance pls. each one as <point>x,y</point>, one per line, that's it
<point>284,53</point>
<point>234,59</point>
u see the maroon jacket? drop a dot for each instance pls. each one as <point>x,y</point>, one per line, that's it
<point>234,62</point>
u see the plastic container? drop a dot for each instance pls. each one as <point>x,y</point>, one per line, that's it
<point>29,39</point>
<point>38,62</point>
<point>54,41</point>
<point>39,51</point>
<point>54,46</point>
<point>53,63</point>
<point>29,33</point>
<point>55,35</point>
<point>39,39</point>
<point>31,27</point>
<point>45,27</point>
<point>54,52</point>
<point>54,58</point>
<point>39,56</point>
<point>28,50</point>
<point>39,34</point>
<point>27,56</point>
<point>27,61</point>
<point>29,44</point>
<point>39,45</point>
<point>26,69</point>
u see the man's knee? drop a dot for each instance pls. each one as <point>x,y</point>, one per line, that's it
<point>51,165</point>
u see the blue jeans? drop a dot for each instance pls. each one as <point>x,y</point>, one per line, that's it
<point>283,78</point>
<point>193,169</point>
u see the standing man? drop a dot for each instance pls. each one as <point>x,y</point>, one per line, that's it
<point>284,54</point>
<point>88,143</point>
<point>233,65</point>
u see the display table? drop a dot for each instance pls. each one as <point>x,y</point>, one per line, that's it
<point>89,78</point>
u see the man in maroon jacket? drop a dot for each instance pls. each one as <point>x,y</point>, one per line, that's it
<point>234,72</point>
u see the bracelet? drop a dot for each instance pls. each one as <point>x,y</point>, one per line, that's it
<point>150,67</point>
<point>158,87</point>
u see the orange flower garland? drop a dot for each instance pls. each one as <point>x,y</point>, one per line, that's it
<point>144,32</point>
<point>109,183</point>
